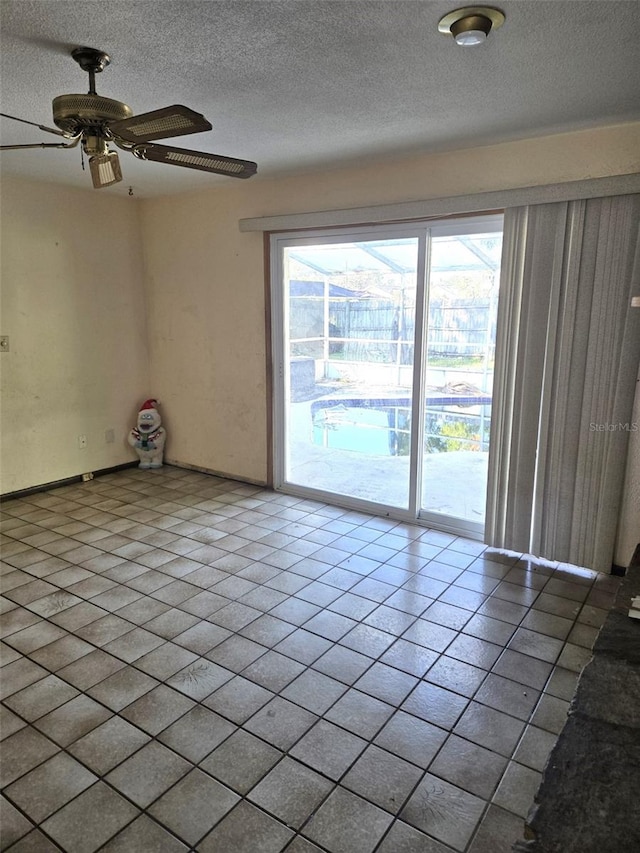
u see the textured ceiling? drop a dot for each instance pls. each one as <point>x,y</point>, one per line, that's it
<point>311,84</point>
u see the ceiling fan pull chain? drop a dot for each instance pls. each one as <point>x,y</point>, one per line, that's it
<point>82,157</point>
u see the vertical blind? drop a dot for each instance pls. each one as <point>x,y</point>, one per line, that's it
<point>568,345</point>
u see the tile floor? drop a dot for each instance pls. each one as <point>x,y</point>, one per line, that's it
<point>191,663</point>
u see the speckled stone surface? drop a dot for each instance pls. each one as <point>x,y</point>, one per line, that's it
<point>587,801</point>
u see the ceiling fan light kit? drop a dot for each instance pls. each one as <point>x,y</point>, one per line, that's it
<point>96,121</point>
<point>471,25</point>
<point>105,169</point>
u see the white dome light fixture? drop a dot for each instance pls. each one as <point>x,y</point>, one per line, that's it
<point>471,25</point>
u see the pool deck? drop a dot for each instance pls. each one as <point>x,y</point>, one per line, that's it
<point>455,482</point>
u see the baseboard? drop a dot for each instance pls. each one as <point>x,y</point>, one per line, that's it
<point>67,481</point>
<point>177,464</point>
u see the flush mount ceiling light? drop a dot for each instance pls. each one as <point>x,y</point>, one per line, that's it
<point>471,25</point>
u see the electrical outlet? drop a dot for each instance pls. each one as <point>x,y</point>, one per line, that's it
<point>109,436</point>
<point>82,442</point>
<point>87,477</point>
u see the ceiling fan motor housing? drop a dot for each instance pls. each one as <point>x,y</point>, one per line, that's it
<point>76,113</point>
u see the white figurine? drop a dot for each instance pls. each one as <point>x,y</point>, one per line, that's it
<point>148,437</point>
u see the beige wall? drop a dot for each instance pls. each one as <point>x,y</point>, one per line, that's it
<point>205,279</point>
<point>72,304</point>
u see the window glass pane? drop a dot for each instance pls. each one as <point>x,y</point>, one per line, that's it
<point>461,333</point>
<point>350,329</point>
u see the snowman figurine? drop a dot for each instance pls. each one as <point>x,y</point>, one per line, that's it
<point>148,437</point>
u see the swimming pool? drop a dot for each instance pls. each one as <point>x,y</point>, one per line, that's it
<point>381,425</point>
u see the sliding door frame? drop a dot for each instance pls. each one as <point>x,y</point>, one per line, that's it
<point>423,231</point>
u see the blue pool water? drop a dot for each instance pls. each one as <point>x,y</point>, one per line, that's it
<point>361,430</point>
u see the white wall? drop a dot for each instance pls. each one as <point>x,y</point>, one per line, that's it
<point>73,306</point>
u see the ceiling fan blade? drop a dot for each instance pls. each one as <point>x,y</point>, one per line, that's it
<point>160,124</point>
<point>41,145</point>
<point>215,163</point>
<point>35,124</point>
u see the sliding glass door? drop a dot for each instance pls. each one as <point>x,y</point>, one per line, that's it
<point>383,352</point>
<point>348,324</point>
<point>460,329</point>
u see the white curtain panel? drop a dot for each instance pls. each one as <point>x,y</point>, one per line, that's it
<point>568,345</point>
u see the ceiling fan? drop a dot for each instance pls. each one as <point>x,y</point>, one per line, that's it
<point>96,121</point>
